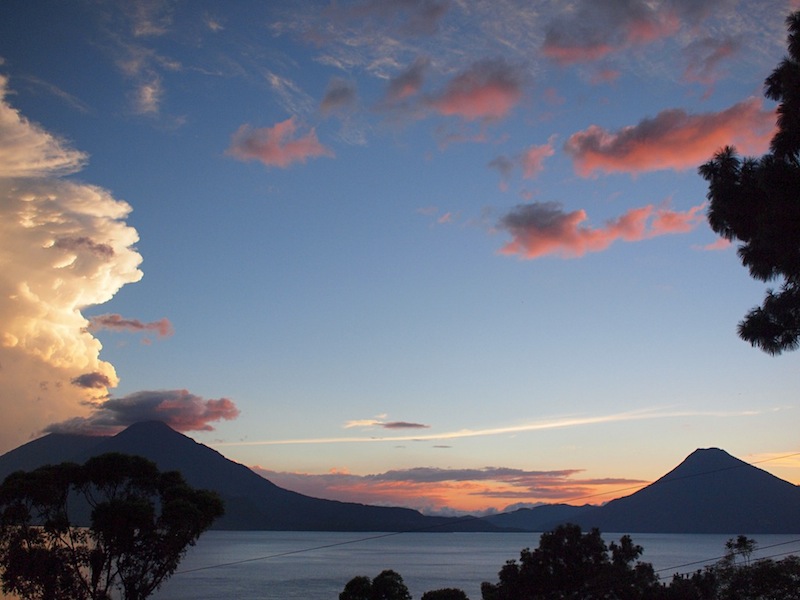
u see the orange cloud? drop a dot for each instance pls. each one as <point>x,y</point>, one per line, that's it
<point>276,146</point>
<point>541,229</point>
<point>435,490</point>
<point>673,139</point>
<point>487,90</point>
<point>179,409</point>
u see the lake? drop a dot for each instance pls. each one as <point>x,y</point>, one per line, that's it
<point>274,565</point>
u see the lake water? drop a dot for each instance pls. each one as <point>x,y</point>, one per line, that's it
<point>272,565</point>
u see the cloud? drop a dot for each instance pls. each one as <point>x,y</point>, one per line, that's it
<point>553,423</point>
<point>533,158</point>
<point>147,96</point>
<point>93,380</point>
<point>149,18</point>
<point>704,57</point>
<point>409,82</point>
<point>434,490</point>
<point>488,89</point>
<point>403,425</point>
<point>380,422</point>
<point>276,146</point>
<point>590,30</point>
<point>531,161</point>
<point>64,246</point>
<point>115,322</point>
<point>505,166</point>
<point>180,409</point>
<point>414,17</point>
<point>544,228</point>
<point>673,139</point>
<point>27,150</point>
<point>718,244</point>
<point>340,96</point>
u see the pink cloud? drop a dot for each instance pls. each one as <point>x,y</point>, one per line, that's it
<point>668,221</point>
<point>673,139</point>
<point>605,76</point>
<point>487,90</point>
<point>591,30</point>
<point>718,244</point>
<point>543,228</point>
<point>180,409</point>
<point>115,322</point>
<point>533,158</point>
<point>276,146</point>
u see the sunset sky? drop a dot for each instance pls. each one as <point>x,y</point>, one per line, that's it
<point>446,254</point>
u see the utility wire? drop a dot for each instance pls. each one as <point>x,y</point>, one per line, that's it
<point>470,519</point>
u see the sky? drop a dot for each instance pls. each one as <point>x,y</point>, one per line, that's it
<point>444,254</point>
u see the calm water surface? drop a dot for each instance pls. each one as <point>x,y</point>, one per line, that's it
<point>272,565</point>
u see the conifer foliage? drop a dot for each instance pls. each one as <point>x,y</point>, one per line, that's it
<point>756,201</point>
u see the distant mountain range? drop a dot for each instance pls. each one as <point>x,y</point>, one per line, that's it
<point>709,492</point>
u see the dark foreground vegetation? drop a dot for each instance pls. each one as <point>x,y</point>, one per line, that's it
<point>570,564</point>
<point>754,201</point>
<point>139,524</point>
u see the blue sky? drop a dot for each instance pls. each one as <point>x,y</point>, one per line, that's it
<point>445,254</point>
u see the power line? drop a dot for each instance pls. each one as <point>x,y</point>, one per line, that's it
<point>471,518</point>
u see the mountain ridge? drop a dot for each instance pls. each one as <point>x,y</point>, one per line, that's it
<point>710,491</point>
<point>252,502</point>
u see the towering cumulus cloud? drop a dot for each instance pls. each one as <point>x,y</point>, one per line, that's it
<point>64,246</point>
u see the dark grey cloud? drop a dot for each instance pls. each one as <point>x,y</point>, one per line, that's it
<point>409,81</point>
<point>93,380</point>
<point>180,409</point>
<point>403,425</point>
<point>84,244</point>
<point>340,95</point>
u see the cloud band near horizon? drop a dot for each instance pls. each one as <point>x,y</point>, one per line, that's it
<point>555,423</point>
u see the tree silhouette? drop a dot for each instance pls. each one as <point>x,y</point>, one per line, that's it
<point>141,524</point>
<point>445,594</point>
<point>387,585</point>
<point>572,564</point>
<point>757,202</point>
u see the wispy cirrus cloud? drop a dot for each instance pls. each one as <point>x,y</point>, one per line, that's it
<point>180,409</point>
<point>542,425</point>
<point>543,228</point>
<point>276,146</point>
<point>704,56</point>
<point>27,150</point>
<point>673,139</point>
